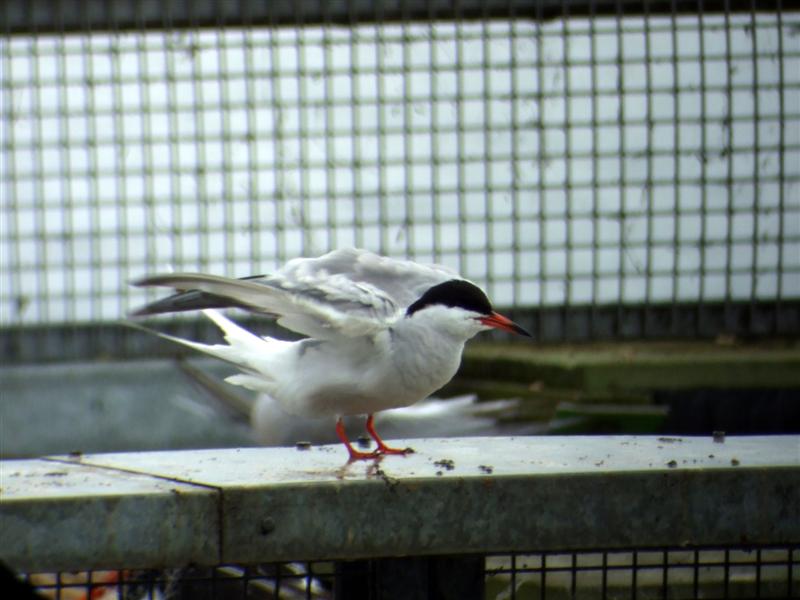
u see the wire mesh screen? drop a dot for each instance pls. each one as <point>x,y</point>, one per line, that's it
<point>590,160</point>
<point>645,574</point>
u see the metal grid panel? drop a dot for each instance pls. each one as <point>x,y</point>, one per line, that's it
<point>759,572</point>
<point>646,573</point>
<point>581,161</point>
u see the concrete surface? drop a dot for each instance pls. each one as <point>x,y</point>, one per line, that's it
<point>477,495</point>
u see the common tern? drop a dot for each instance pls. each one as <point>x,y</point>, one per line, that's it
<point>381,332</point>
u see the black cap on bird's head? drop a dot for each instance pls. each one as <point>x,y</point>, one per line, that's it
<point>458,293</point>
<point>455,293</point>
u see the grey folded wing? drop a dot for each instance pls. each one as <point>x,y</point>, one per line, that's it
<point>347,292</point>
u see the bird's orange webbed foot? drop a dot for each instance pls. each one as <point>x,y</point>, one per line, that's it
<point>354,454</point>
<point>358,455</point>
<point>382,447</point>
<point>379,452</point>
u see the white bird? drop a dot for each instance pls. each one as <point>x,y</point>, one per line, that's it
<point>382,332</point>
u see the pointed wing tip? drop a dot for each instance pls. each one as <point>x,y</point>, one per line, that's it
<point>153,280</point>
<point>138,326</point>
<point>142,281</point>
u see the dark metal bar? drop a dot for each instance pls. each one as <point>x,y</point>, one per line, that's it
<point>50,343</point>
<point>48,16</point>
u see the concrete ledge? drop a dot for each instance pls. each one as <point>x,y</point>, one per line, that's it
<point>163,509</point>
<point>56,515</point>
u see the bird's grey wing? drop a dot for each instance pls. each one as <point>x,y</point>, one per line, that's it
<point>333,307</point>
<point>401,281</point>
<point>347,292</point>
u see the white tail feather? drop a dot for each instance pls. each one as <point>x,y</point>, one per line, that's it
<point>234,335</point>
<point>257,383</point>
<point>243,349</point>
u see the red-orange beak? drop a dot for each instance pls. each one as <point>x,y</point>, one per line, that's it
<point>498,321</point>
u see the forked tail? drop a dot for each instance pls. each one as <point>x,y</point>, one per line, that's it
<point>244,350</point>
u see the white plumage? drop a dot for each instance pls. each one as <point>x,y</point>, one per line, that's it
<point>382,333</point>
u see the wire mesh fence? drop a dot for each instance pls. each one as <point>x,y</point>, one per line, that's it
<point>725,572</point>
<point>605,159</point>
<point>579,161</point>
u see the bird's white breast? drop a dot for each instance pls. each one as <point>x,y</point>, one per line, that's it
<point>395,368</point>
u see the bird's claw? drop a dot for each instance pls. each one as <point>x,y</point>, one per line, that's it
<point>383,449</point>
<point>356,455</point>
<point>378,453</point>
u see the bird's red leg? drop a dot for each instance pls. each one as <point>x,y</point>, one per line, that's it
<point>383,448</point>
<point>354,454</point>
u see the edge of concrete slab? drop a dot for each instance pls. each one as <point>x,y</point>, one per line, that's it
<point>474,495</point>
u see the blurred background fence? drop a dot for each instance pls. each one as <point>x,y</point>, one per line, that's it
<point>607,170</point>
<point>605,173</point>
